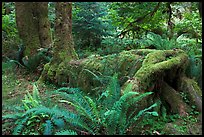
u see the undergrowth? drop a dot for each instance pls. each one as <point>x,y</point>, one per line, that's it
<point>106,115</point>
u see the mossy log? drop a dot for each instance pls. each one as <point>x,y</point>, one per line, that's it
<point>159,71</point>
<point>194,93</point>
<point>174,101</point>
<point>157,66</point>
<point>86,73</point>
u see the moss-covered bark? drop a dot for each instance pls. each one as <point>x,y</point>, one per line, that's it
<point>85,73</point>
<point>27,27</point>
<point>64,51</point>
<point>159,71</point>
<point>43,24</point>
<point>156,66</point>
<point>194,93</point>
<point>34,30</point>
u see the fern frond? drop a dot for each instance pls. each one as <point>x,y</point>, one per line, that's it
<point>93,75</point>
<point>79,102</point>
<point>69,90</point>
<point>142,112</point>
<point>146,109</point>
<point>48,128</point>
<point>128,88</point>
<point>111,120</point>
<point>66,132</point>
<point>36,93</point>
<point>75,120</point>
<point>59,122</point>
<point>93,106</point>
<point>12,116</point>
<point>123,99</point>
<point>19,127</point>
<point>135,99</point>
<point>121,114</point>
<point>42,109</point>
<point>112,93</point>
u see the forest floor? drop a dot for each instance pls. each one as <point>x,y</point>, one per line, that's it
<point>16,82</point>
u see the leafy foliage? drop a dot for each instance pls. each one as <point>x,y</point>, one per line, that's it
<point>38,119</point>
<point>8,21</point>
<point>110,45</point>
<point>88,26</point>
<point>109,114</point>
<point>157,42</point>
<point>10,38</point>
<point>194,69</point>
<point>105,28</point>
<point>66,132</point>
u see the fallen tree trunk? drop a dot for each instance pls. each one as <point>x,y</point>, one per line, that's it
<point>86,73</point>
<point>193,92</point>
<point>159,71</point>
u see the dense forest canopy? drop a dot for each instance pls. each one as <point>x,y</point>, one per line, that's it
<point>102,68</point>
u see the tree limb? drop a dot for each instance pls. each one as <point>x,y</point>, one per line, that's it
<point>139,20</point>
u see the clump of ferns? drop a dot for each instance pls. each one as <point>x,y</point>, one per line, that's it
<point>109,114</point>
<point>106,115</point>
<point>35,118</point>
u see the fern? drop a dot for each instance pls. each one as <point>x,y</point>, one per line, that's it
<point>159,43</point>
<point>31,101</point>
<point>12,116</point>
<point>111,94</point>
<point>59,122</point>
<point>21,124</point>
<point>132,120</point>
<point>36,93</point>
<point>48,128</point>
<point>109,111</point>
<point>53,116</point>
<point>85,107</point>
<point>66,132</point>
<point>106,115</point>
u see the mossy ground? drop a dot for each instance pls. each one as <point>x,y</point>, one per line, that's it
<point>16,81</point>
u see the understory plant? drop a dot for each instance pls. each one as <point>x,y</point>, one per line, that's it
<point>34,118</point>
<point>109,114</point>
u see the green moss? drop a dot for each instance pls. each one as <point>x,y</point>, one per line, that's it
<point>195,86</point>
<point>154,57</point>
<point>156,63</point>
<point>193,92</point>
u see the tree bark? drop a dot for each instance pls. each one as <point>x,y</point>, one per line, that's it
<point>27,27</point>
<point>158,71</point>
<point>34,29</point>
<point>43,24</point>
<point>200,9</point>
<point>64,50</point>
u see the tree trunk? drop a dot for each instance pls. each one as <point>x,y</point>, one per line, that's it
<point>63,45</point>
<point>43,24</point>
<point>27,27</point>
<point>159,71</point>
<point>200,9</point>
<point>34,29</point>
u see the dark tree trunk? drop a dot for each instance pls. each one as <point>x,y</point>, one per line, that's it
<point>27,26</point>
<point>43,24</point>
<point>64,50</point>
<point>200,8</point>
<point>63,32</point>
<point>34,29</point>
